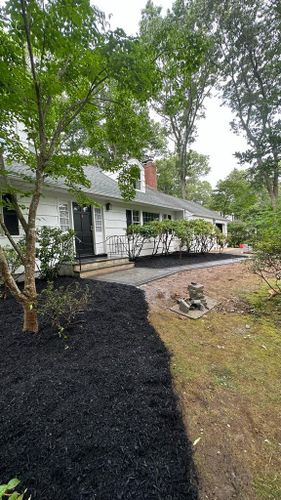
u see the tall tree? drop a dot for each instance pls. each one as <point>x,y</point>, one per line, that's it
<point>196,167</point>
<point>184,51</point>
<point>61,63</point>
<point>250,44</point>
<point>235,195</point>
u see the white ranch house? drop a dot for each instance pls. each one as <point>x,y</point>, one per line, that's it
<point>100,229</point>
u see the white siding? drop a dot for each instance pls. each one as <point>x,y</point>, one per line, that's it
<point>47,214</point>
<point>115,220</point>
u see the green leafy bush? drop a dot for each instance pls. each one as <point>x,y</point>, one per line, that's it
<point>266,262</point>
<point>54,248</point>
<point>136,235</point>
<point>60,307</point>
<point>195,235</point>
<point>8,490</point>
<point>239,232</point>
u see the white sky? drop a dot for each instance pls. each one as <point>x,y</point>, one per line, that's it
<point>215,137</point>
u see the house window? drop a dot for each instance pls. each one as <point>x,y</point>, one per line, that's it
<point>64,216</point>
<point>9,215</point>
<point>137,182</point>
<point>98,220</point>
<point>133,217</point>
<point>149,216</point>
<point>136,217</point>
<point>167,216</point>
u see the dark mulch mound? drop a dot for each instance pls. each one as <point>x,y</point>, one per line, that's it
<point>174,259</point>
<point>93,417</point>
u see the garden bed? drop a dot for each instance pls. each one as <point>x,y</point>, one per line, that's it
<point>176,259</point>
<point>93,416</point>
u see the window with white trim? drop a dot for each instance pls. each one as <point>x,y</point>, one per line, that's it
<point>150,216</point>
<point>167,216</point>
<point>64,216</point>
<point>136,217</point>
<point>98,220</point>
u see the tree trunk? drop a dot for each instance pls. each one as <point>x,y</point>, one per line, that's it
<point>30,318</point>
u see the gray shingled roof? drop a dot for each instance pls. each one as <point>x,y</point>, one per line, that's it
<point>102,185</point>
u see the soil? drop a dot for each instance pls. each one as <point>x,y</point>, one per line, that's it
<point>176,259</point>
<point>94,416</point>
<point>220,283</point>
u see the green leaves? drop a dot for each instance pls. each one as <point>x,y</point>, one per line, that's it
<point>78,89</point>
<point>195,235</point>
<point>249,36</point>
<point>6,490</point>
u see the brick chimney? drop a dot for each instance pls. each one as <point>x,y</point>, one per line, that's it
<point>150,174</point>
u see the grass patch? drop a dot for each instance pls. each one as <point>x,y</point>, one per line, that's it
<point>227,371</point>
<point>268,488</point>
<point>264,304</point>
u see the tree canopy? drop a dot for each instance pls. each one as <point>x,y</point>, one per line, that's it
<point>235,195</point>
<point>183,49</point>
<point>250,46</point>
<point>169,177</point>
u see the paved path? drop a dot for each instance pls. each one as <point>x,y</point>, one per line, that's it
<point>141,275</point>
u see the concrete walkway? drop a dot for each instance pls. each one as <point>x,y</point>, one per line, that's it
<point>141,275</point>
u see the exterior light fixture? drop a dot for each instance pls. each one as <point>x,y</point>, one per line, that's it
<point>108,207</point>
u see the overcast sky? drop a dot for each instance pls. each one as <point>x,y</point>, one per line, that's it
<point>215,138</point>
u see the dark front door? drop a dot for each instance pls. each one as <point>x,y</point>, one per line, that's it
<point>82,216</point>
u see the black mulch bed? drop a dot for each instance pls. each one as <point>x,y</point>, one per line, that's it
<point>174,259</point>
<point>93,417</point>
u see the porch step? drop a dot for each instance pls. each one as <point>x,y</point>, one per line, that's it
<point>106,270</point>
<point>96,267</point>
<point>102,263</point>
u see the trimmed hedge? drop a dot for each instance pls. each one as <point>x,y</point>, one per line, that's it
<point>196,236</point>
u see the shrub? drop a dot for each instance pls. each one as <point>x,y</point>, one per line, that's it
<point>266,262</point>
<point>8,490</point>
<point>184,233</point>
<point>195,235</point>
<point>54,248</point>
<point>239,232</point>
<point>136,238</point>
<point>204,235</point>
<point>60,307</point>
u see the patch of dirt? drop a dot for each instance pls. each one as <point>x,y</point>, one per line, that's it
<point>96,416</point>
<point>221,283</point>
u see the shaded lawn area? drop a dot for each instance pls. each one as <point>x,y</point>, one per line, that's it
<point>227,373</point>
<point>93,417</point>
<point>176,259</point>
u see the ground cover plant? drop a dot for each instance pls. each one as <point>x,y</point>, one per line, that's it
<point>94,416</point>
<point>226,370</point>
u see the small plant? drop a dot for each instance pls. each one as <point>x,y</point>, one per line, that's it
<point>60,307</point>
<point>54,248</point>
<point>8,490</point>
